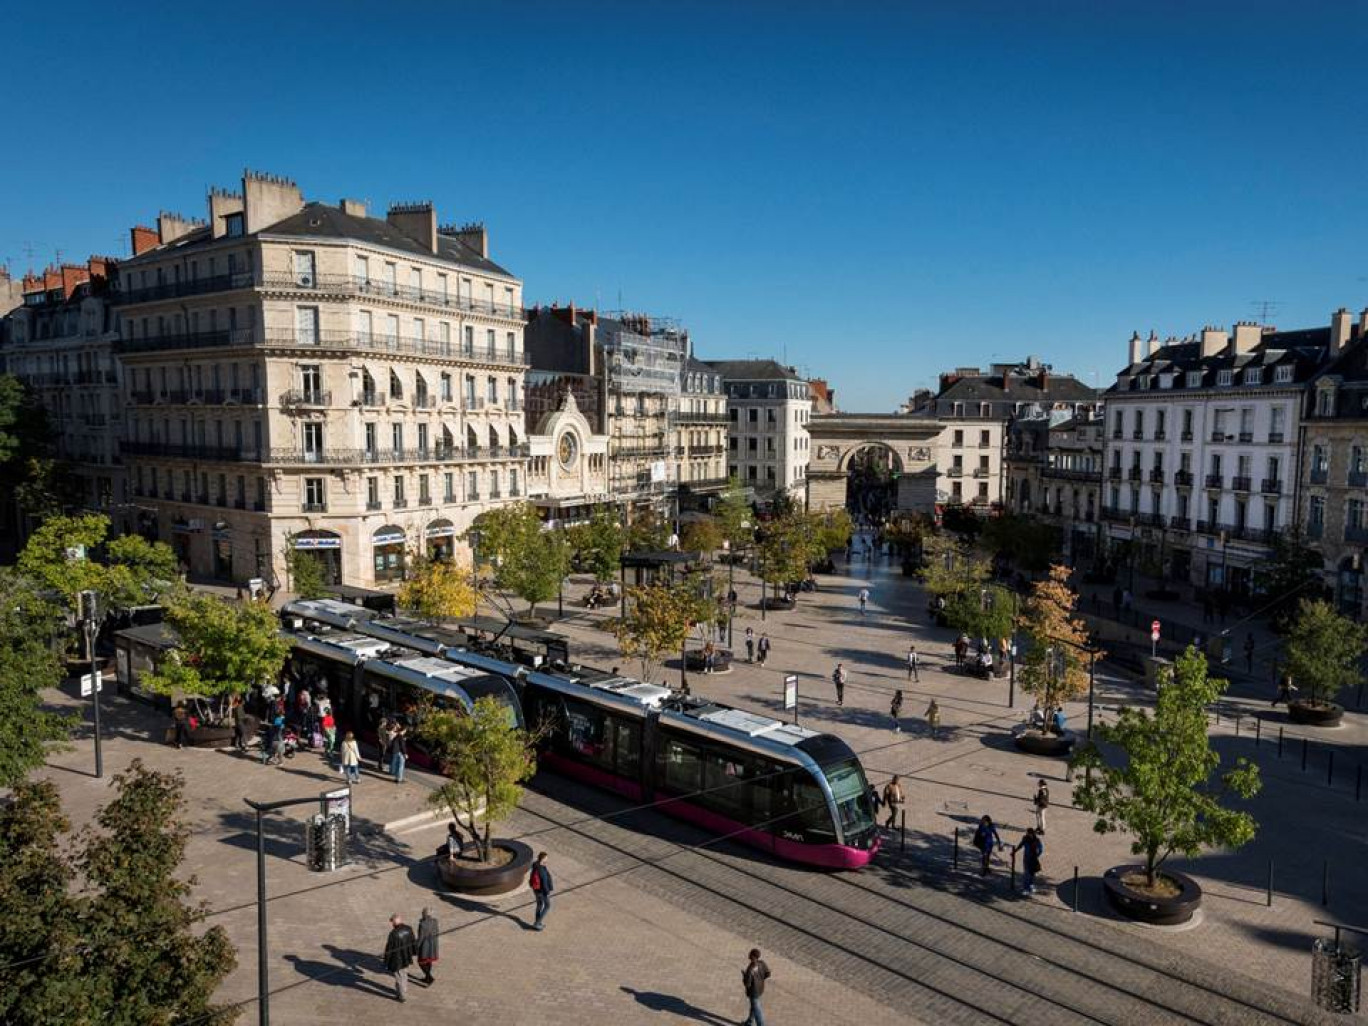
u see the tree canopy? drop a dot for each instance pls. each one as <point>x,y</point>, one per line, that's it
<point>438,589</point>
<point>598,543</point>
<point>307,579</point>
<point>734,516</point>
<point>30,627</point>
<point>648,532</point>
<point>1025,541</point>
<point>528,559</point>
<point>1290,574</point>
<point>1324,651</point>
<point>1053,667</point>
<point>788,546</point>
<point>703,536</point>
<point>1167,792</point>
<point>61,556</point>
<point>950,567</point>
<point>657,619</point>
<point>986,613</point>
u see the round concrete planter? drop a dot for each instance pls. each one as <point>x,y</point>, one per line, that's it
<point>779,603</point>
<point>1034,742</point>
<point>1326,714</point>
<point>1145,908</point>
<point>722,661</point>
<point>458,875</point>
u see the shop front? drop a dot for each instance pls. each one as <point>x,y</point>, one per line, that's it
<point>388,553</point>
<point>325,548</point>
<point>441,540</point>
<point>221,551</point>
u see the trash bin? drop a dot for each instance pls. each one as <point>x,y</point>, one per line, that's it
<point>1336,975</point>
<point>326,838</point>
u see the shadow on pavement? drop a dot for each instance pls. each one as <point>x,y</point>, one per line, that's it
<point>657,1002</point>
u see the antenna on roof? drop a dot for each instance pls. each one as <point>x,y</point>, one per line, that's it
<point>1266,308</point>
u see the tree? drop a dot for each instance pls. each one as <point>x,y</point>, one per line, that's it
<point>657,619</point>
<point>703,535</point>
<point>11,416</point>
<point>61,553</point>
<point>225,648</point>
<point>962,521</point>
<point>305,571</point>
<point>30,627</point>
<point>1290,574</point>
<point>1052,668</point>
<point>127,948</point>
<point>529,560</point>
<point>648,532</point>
<point>833,528</point>
<point>735,517</point>
<point>1324,651</point>
<point>438,589</point>
<point>787,549</point>
<point>951,567</point>
<point>598,543</point>
<point>48,487</point>
<point>1167,793</point>
<point>486,757</point>
<point>986,613</point>
<point>139,572</point>
<point>1022,540</point>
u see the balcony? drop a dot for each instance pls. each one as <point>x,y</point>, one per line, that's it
<point>1357,478</point>
<point>1215,481</point>
<point>424,402</point>
<point>1275,438</point>
<point>1179,523</point>
<point>372,505</point>
<point>955,472</point>
<point>1242,484</point>
<point>441,454</point>
<point>1135,474</point>
<point>449,498</point>
<point>1315,529</point>
<point>1117,434</point>
<point>189,452</point>
<point>981,472</point>
<point>688,417</point>
<point>344,340</point>
<point>495,494</point>
<point>1115,513</point>
<point>1320,475</point>
<point>424,500</point>
<point>473,402</point>
<point>1149,519</point>
<point>308,397</point>
<point>1159,434</point>
<point>1357,533</point>
<point>1138,434</point>
<point>1070,474</point>
<point>376,399</point>
<point>1113,473</point>
<point>400,503</point>
<point>1219,436</point>
<point>315,507</point>
<point>1156,475</point>
<point>1246,436</point>
<point>1185,436</point>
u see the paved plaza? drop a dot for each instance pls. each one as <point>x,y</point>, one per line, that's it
<point>651,924</point>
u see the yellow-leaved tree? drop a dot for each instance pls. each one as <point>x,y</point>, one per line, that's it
<point>438,590</point>
<point>1054,669</point>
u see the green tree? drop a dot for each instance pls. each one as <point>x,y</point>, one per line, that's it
<point>1167,792</point>
<point>787,548</point>
<point>438,589</point>
<point>648,532</point>
<point>305,571</point>
<point>128,948</point>
<point>986,613</point>
<point>1291,573</point>
<point>1052,668</point>
<point>1023,540</point>
<point>1324,651</point>
<point>138,572</point>
<point>225,648</point>
<point>528,559</point>
<point>735,517</point>
<point>30,661</point>
<point>61,556</point>
<point>11,417</point>
<point>598,543</point>
<point>486,758</point>
<point>657,620</point>
<point>834,529</point>
<point>950,567</point>
<point>703,536</point>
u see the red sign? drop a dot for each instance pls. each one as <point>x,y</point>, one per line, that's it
<point>1154,630</point>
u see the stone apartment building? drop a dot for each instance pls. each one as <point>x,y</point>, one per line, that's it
<point>59,340</point>
<point>1202,448</point>
<point>769,407</point>
<point>1333,506</point>
<point>307,375</point>
<point>1054,472</point>
<point>701,430</point>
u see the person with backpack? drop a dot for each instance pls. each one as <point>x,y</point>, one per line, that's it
<point>838,677</point>
<point>1032,848</point>
<point>986,840</point>
<point>539,879</point>
<point>753,978</point>
<point>1041,801</point>
<point>895,710</point>
<point>400,948</point>
<point>893,797</point>
<point>763,648</point>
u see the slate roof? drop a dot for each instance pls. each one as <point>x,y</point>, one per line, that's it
<point>1020,389</point>
<point>753,370</point>
<point>1303,349</point>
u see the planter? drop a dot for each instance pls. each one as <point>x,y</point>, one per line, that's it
<point>1320,714</point>
<point>779,603</point>
<point>1147,908</point>
<point>1054,745</point>
<point>722,661</point>
<point>460,875</point>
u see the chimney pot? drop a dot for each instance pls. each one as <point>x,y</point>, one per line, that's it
<point>1341,322</point>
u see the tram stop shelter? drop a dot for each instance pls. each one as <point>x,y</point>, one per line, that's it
<point>139,650</point>
<point>367,598</point>
<point>666,564</point>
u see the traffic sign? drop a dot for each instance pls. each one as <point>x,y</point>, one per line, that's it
<point>89,685</point>
<point>791,691</point>
<point>1154,630</point>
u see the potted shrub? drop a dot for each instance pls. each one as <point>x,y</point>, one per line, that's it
<point>486,757</point>
<point>1323,653</point>
<point>1052,669</point>
<point>1167,793</point>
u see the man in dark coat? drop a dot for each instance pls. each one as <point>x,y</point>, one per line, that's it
<point>400,947</point>
<point>542,885</point>
<point>753,977</point>
<point>428,932</point>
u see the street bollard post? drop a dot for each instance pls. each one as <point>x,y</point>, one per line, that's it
<point>902,829</point>
<point>957,847</point>
<point>1280,739</point>
<point>1269,899</point>
<point>1014,869</point>
<point>1075,891</point>
<point>1306,741</point>
<point>1358,784</point>
<point>1237,724</point>
<point>1258,730</point>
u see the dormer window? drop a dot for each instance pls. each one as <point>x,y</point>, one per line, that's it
<point>1225,377</point>
<point>1325,402</point>
<point>1165,380</point>
<point>1253,376</point>
<point>1282,375</point>
<point>1194,379</point>
<point>232,226</point>
<point>1144,382</point>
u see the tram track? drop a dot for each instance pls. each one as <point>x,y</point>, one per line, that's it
<point>963,960</point>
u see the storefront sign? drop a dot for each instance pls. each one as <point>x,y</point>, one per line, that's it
<point>317,543</point>
<point>389,538</point>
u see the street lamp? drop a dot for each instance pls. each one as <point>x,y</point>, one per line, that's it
<point>90,623</point>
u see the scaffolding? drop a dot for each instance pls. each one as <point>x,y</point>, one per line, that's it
<point>645,355</point>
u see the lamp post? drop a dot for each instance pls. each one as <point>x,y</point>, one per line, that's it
<point>263,968</point>
<point>89,623</point>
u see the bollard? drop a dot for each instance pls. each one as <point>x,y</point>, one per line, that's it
<point>902,844</point>
<point>1237,724</point>
<point>1305,743</point>
<point>1258,730</point>
<point>957,847</point>
<point>1358,784</point>
<point>1330,770</point>
<point>1075,891</point>
<point>1325,883</point>
<point>1269,899</point>
<point>1280,735</point>
<point>1013,869</point>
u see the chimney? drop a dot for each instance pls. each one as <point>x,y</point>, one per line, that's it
<point>416,221</point>
<point>1340,322</point>
<point>1135,349</point>
<point>267,200</point>
<point>353,208</point>
<point>143,239</point>
<point>1247,336</point>
<point>1213,341</point>
<point>171,227</point>
<point>98,268</point>
<point>221,204</point>
<point>72,275</point>
<point>473,236</point>
<point>1363,323</point>
<point>1153,342</point>
<point>1044,379</point>
<point>52,279</point>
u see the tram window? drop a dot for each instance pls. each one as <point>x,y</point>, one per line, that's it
<point>768,793</point>
<point>681,766</point>
<point>812,814</point>
<point>848,788</point>
<point>627,745</point>
<point>377,700</point>
<point>587,733</point>
<point>725,777</point>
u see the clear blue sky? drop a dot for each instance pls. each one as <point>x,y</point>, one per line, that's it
<point>876,192</point>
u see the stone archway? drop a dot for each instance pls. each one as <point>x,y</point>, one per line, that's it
<point>872,474</point>
<point>902,445</point>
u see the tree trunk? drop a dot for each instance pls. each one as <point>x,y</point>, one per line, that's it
<point>1151,857</point>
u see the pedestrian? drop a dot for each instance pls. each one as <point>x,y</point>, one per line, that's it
<point>750,644</point>
<point>763,648</point>
<point>895,710</point>
<point>1285,690</point>
<point>400,948</point>
<point>239,717</point>
<point>539,879</point>
<point>384,738</point>
<point>838,677</point>
<point>1041,801</point>
<point>709,657</point>
<point>267,741</point>
<point>753,977</point>
<point>428,932</point>
<point>1059,721</point>
<point>864,600</point>
<point>874,800</point>
<point>179,718</point>
<point>933,717</point>
<point>454,846</point>
<point>893,797</point>
<point>961,649</point>
<point>1032,847</point>
<point>986,840</point>
<point>1249,653</point>
<point>398,754</point>
<point>329,732</point>
<point>913,664</point>
<point>351,758</point>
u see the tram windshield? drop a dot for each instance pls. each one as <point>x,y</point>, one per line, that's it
<point>851,792</point>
